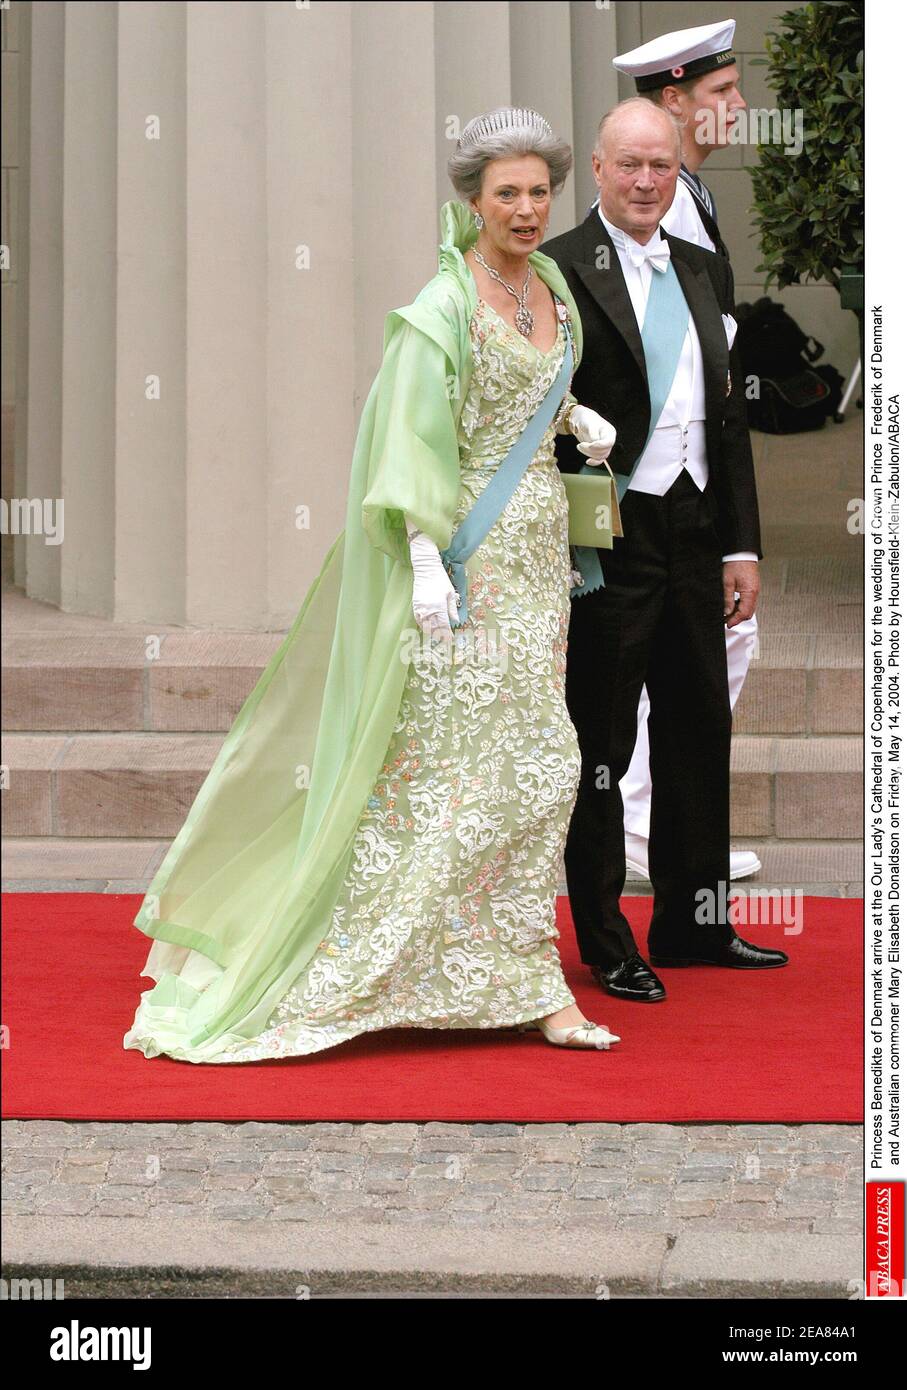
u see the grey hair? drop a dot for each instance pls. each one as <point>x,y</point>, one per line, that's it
<point>640,103</point>
<point>466,166</point>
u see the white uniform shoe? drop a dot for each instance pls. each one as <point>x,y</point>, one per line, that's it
<point>743,862</point>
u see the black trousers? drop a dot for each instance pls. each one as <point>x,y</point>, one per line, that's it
<point>657,622</point>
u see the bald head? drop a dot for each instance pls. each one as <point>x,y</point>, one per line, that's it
<point>636,162</point>
<point>638,116</point>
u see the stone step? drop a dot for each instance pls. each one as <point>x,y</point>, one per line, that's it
<point>141,785</point>
<point>796,788</point>
<point>47,863</point>
<point>126,1257</point>
<point>173,682</point>
<point>807,485</point>
<point>75,864</point>
<point>803,684</point>
<point>793,614</point>
<point>817,868</point>
<point>800,681</point>
<point>108,785</point>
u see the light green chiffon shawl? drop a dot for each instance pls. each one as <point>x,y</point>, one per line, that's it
<point>247,889</point>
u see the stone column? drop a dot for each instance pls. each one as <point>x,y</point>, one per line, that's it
<point>225,206</point>
<point>39,394</point>
<point>310,323</point>
<point>90,347</point>
<point>149,530</point>
<point>472,72</point>
<point>395,210</point>
<point>541,74</point>
<point>593,31</point>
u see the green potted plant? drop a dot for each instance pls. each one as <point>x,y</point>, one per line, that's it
<point>809,205</point>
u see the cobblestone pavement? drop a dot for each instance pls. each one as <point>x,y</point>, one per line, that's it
<point>661,1178</point>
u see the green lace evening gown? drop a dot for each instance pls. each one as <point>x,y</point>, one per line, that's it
<point>447,916</point>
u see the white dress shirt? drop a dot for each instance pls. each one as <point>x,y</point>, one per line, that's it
<point>678,440</point>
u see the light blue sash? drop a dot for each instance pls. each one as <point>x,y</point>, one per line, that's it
<point>498,491</point>
<point>663,331</point>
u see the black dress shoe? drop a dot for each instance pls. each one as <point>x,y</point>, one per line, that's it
<point>737,954</point>
<point>632,979</point>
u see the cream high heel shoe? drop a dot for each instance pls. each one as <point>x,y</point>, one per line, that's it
<point>576,1035</point>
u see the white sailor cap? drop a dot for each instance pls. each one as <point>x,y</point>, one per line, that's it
<point>679,56</point>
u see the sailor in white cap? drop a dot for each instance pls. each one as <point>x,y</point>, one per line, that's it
<point>693,74</point>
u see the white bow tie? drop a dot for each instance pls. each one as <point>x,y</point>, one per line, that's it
<point>657,253</point>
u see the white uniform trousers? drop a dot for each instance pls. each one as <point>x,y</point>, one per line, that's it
<point>636,784</point>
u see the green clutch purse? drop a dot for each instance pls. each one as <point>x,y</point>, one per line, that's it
<point>594,508</point>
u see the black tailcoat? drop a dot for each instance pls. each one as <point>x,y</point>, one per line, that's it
<point>658,621</point>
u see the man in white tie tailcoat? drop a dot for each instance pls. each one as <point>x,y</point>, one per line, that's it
<point>693,74</point>
<point>658,363</point>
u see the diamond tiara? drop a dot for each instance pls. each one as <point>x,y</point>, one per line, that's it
<point>517,118</point>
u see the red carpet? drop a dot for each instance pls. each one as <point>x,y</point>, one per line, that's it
<point>771,1046</point>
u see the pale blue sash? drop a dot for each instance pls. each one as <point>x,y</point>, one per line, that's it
<point>498,491</point>
<point>663,331</point>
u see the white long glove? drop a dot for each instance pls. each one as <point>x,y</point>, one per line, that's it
<point>435,600</point>
<point>595,434</point>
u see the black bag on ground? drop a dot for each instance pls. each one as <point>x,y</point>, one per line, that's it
<point>793,395</point>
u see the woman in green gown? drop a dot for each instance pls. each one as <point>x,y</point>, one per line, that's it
<point>378,843</point>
